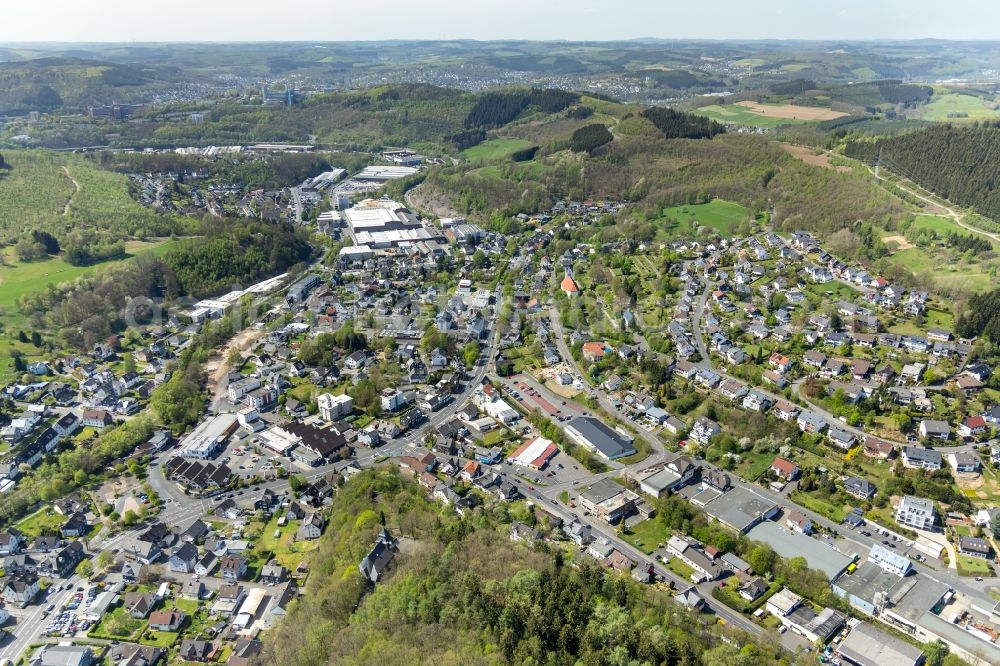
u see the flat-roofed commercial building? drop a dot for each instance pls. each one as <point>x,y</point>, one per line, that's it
<point>741,508</point>
<point>791,544</point>
<point>867,646</point>
<point>209,438</point>
<point>593,434</point>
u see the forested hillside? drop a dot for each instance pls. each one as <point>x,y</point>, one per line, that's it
<point>496,109</point>
<point>48,84</point>
<point>273,173</point>
<point>86,208</point>
<point>463,594</point>
<point>653,172</point>
<point>382,116</point>
<point>226,254</point>
<point>961,164</point>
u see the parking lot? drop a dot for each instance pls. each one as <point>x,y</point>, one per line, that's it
<point>531,395</point>
<point>66,620</point>
<point>241,457</point>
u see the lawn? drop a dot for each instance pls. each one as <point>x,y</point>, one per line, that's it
<point>835,289</point>
<point>942,226</point>
<point>43,521</point>
<point>941,319</point>
<point>284,548</point>
<point>162,639</point>
<point>723,216</point>
<point>950,106</point>
<point>973,566</point>
<point>495,149</point>
<point>680,568</point>
<point>647,535</point>
<point>642,451</point>
<point>118,624</point>
<point>496,437</point>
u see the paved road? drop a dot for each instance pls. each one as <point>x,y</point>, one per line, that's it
<point>603,530</point>
<point>657,451</point>
<point>861,542</point>
<point>854,542</point>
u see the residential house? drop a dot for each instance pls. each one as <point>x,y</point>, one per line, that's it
<point>917,512</point>
<point>166,620</point>
<point>233,567</point>
<point>933,429</point>
<point>785,469</point>
<point>311,527</point>
<point>859,488</point>
<point>377,562</point>
<point>921,458</point>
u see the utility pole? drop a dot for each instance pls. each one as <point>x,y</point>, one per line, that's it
<point>878,163</point>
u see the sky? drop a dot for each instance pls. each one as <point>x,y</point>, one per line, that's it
<point>350,20</point>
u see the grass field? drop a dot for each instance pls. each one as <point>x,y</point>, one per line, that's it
<point>286,550</point>
<point>820,506</point>
<point>940,319</point>
<point>162,639</point>
<point>942,226</point>
<point>792,111</point>
<point>118,624</point>
<point>973,107</point>
<point>18,279</point>
<point>835,289</point>
<point>739,115</point>
<point>647,535</point>
<point>495,149</point>
<point>723,216</point>
<point>680,568</point>
<point>957,276</point>
<point>936,223</point>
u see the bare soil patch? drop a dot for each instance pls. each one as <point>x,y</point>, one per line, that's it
<point>900,241</point>
<point>426,198</point>
<point>792,111</point>
<point>809,157</point>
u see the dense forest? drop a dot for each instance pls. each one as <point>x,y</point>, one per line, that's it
<point>961,164</point>
<point>102,303</point>
<point>462,594</point>
<point>495,109</point>
<point>589,138</point>
<point>981,316</point>
<point>679,125</point>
